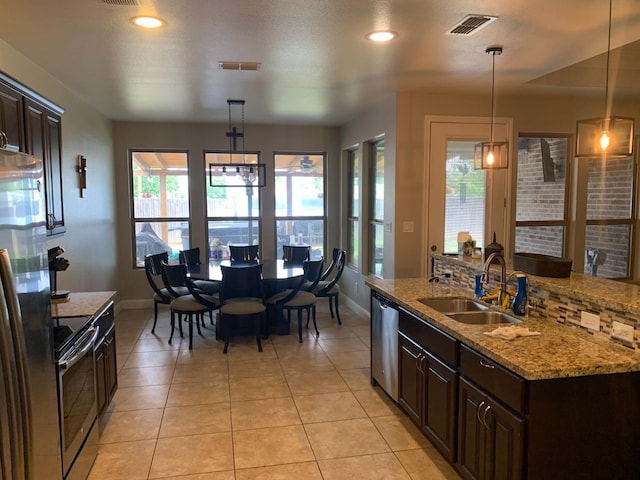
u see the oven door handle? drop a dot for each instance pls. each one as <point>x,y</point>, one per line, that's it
<point>80,350</point>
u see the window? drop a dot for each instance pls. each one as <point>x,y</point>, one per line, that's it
<point>160,196</point>
<point>353,219</point>
<point>541,213</point>
<point>608,235</point>
<point>376,207</point>
<point>465,197</point>
<point>233,205</point>
<point>300,201</point>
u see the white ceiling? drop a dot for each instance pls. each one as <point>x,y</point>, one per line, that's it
<point>317,66</point>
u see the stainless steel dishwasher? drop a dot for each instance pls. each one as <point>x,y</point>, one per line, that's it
<point>384,344</point>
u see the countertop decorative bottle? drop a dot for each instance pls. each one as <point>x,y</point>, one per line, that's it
<point>479,292</point>
<point>520,300</point>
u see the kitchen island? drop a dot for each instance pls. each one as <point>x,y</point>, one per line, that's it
<point>563,404</point>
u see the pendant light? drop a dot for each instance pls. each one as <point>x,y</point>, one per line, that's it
<point>240,173</point>
<point>609,136</point>
<point>491,155</point>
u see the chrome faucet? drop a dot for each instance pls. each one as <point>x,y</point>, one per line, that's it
<point>503,274</point>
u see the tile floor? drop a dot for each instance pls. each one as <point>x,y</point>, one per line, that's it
<point>295,411</point>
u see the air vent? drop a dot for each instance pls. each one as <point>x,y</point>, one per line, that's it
<point>250,66</point>
<point>122,3</point>
<point>471,24</point>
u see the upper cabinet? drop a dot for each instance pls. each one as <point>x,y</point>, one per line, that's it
<point>33,125</point>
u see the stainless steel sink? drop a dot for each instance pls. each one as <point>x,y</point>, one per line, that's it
<point>484,317</point>
<point>448,305</point>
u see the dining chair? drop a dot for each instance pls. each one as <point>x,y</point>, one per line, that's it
<point>242,299</point>
<point>330,289</point>
<point>191,258</point>
<point>332,265</point>
<point>174,277</point>
<point>244,253</point>
<point>296,254</point>
<point>153,270</point>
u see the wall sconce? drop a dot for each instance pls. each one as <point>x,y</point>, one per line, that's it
<point>609,136</point>
<point>491,155</point>
<point>82,171</point>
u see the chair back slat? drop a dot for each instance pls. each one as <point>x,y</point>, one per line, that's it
<point>153,268</point>
<point>190,257</point>
<point>312,273</point>
<point>340,263</point>
<point>332,265</point>
<point>174,276</point>
<point>296,253</point>
<point>244,281</point>
<point>244,253</point>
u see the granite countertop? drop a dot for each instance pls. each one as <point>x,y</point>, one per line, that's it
<point>559,351</point>
<point>81,304</point>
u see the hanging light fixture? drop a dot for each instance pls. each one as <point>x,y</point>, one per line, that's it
<point>609,136</point>
<point>237,173</point>
<point>491,155</point>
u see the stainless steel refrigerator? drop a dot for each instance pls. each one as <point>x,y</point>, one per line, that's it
<point>29,425</point>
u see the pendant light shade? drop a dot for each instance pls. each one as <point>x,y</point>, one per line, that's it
<point>609,136</point>
<point>491,155</point>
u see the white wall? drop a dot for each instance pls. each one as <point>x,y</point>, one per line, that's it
<point>90,239</point>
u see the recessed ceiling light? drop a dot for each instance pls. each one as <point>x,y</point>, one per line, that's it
<point>382,36</point>
<point>148,22</point>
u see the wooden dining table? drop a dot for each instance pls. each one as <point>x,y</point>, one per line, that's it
<point>277,275</point>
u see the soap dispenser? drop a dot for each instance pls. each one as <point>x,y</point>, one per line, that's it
<point>520,300</point>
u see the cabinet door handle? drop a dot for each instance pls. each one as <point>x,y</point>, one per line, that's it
<point>478,412</point>
<point>3,139</point>
<point>486,364</point>
<point>484,416</point>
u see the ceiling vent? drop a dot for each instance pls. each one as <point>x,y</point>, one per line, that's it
<point>471,24</point>
<point>248,66</point>
<point>122,3</point>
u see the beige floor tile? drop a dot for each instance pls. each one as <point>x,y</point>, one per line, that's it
<point>383,466</point>
<point>426,464</point>
<point>200,372</point>
<point>196,420</point>
<point>318,382</point>
<point>245,348</point>
<point>228,475</point>
<point>130,460</point>
<point>345,438</point>
<point>343,344</point>
<point>202,356</point>
<point>357,378</point>
<point>271,412</point>
<point>363,332</point>
<point>319,363</point>
<point>139,377</point>
<point>267,367</point>
<point>192,454</point>
<point>330,329</point>
<point>244,389</point>
<point>152,359</point>
<point>139,398</point>
<point>271,446</point>
<point>294,471</point>
<point>198,393</point>
<point>346,360</point>
<point>154,343</point>
<point>327,407</point>
<point>400,433</point>
<point>130,426</point>
<point>376,402</point>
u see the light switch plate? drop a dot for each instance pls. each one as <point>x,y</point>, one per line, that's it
<point>590,320</point>
<point>622,331</point>
<point>407,227</point>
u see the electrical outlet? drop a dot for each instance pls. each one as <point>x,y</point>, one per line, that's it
<point>590,320</point>
<point>622,331</point>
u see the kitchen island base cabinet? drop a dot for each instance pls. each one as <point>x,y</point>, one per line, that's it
<point>105,355</point>
<point>428,386</point>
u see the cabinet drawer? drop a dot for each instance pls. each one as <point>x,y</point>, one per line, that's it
<point>430,338</point>
<point>104,320</point>
<point>496,380</point>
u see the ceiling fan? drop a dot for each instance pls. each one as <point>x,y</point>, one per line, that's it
<point>307,165</point>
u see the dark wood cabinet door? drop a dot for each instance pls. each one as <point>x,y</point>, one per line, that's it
<point>11,120</point>
<point>505,444</point>
<point>439,417</point>
<point>101,391</point>
<point>43,140</point>
<point>471,431</point>
<point>410,378</point>
<point>111,368</point>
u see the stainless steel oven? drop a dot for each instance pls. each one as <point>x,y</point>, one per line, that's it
<point>77,404</point>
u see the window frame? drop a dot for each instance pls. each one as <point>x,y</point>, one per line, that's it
<point>374,223</point>
<point>354,171</point>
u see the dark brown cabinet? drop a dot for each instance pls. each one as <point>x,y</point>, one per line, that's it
<point>490,440</point>
<point>44,141</point>
<point>105,355</point>
<point>427,385</point>
<point>33,125</point>
<point>11,120</point>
